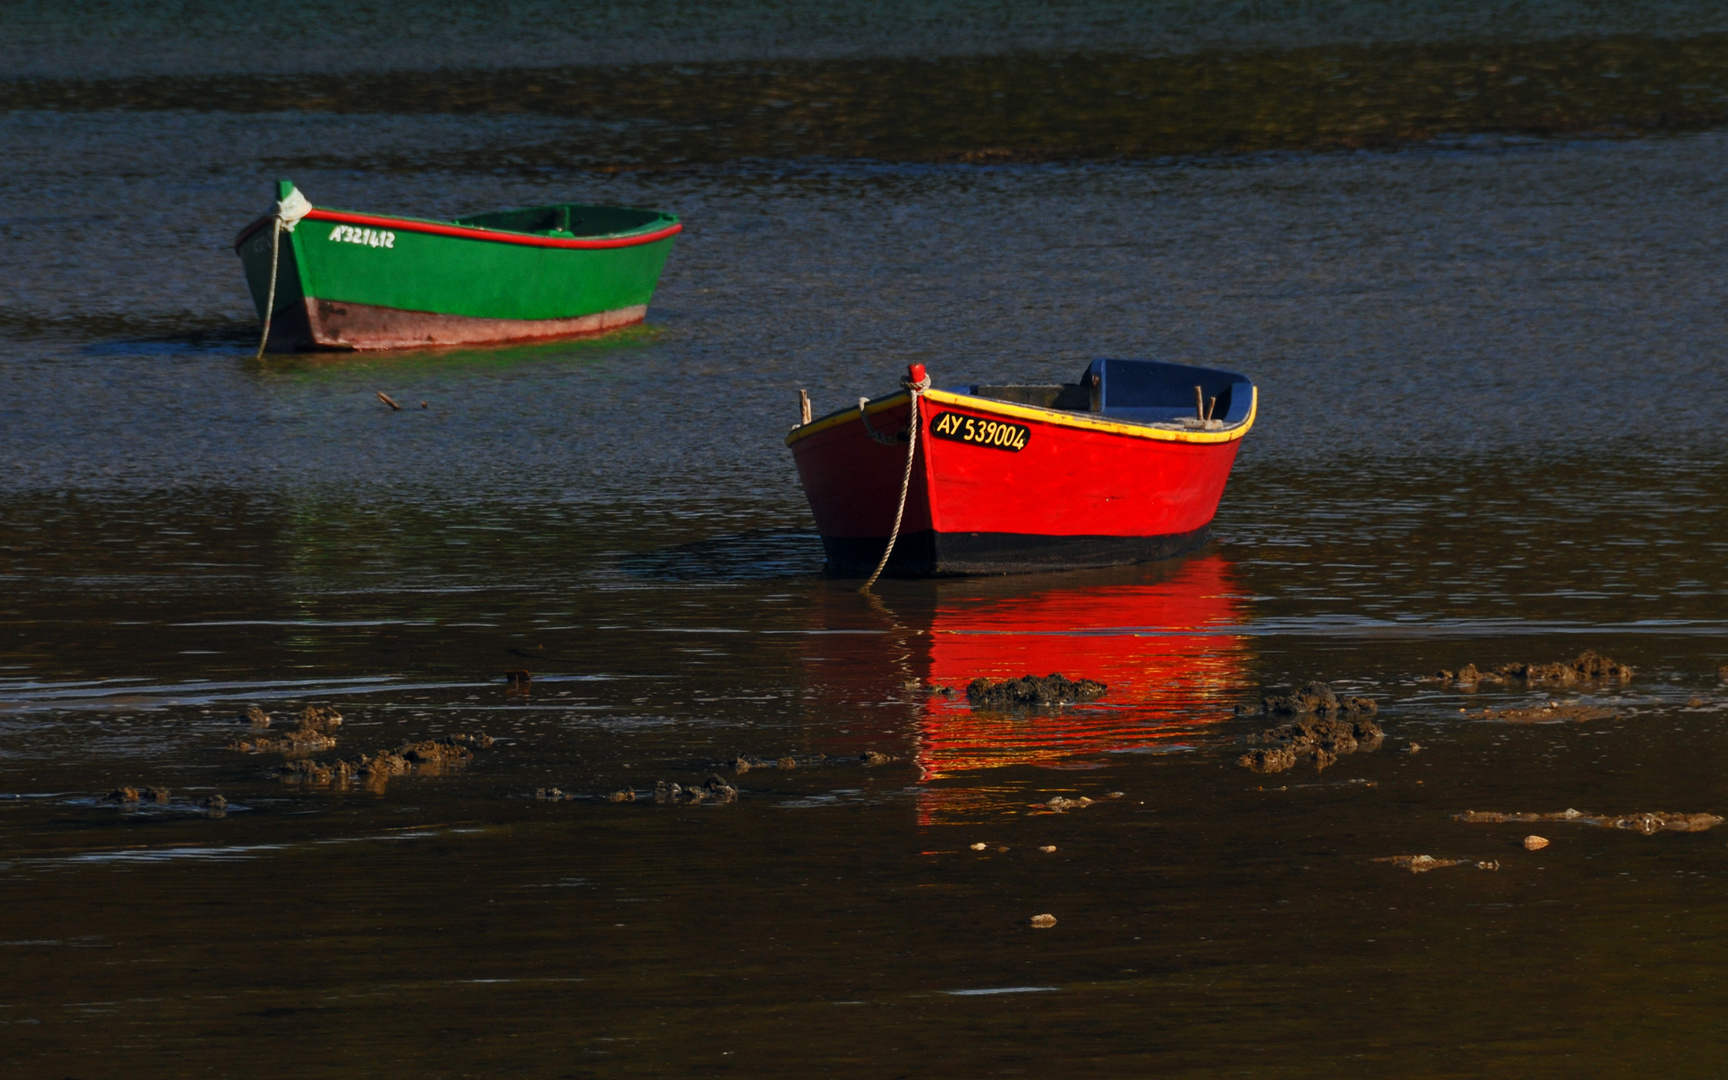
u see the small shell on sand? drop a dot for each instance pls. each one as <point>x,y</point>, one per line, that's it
<point>1048,848</point>
<point>1535,843</point>
<point>1043,922</point>
<point>980,846</point>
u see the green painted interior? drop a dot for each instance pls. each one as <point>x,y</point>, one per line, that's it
<point>572,218</point>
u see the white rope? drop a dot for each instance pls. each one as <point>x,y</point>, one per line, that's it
<point>914,389</point>
<point>270,303</point>
<point>285,214</point>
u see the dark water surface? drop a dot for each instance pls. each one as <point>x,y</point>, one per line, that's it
<point>1490,359</point>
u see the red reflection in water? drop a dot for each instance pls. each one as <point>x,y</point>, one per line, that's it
<point>1161,638</point>
<point>1164,649</point>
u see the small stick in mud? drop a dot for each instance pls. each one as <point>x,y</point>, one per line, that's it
<point>390,401</point>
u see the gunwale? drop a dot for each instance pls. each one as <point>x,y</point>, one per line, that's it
<point>473,232</point>
<point>1057,417</point>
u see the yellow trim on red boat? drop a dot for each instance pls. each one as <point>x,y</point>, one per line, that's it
<point>1059,417</point>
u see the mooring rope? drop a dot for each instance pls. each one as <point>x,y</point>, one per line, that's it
<point>289,209</point>
<point>914,388</point>
<point>270,303</point>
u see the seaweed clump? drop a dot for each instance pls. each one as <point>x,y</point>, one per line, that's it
<point>126,795</point>
<point>1317,698</point>
<point>315,731</point>
<point>743,763</point>
<point>1420,864</point>
<point>1324,727</point>
<point>1030,691</point>
<point>715,789</point>
<point>1648,824</point>
<point>374,771</point>
<point>1587,666</point>
<point>1553,712</point>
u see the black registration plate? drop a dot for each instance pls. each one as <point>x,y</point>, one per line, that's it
<point>970,429</point>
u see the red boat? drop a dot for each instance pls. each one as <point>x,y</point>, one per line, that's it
<point>1126,465</point>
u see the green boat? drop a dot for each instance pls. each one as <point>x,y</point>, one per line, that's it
<point>344,280</point>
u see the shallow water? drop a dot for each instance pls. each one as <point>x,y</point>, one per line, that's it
<point>1489,365</point>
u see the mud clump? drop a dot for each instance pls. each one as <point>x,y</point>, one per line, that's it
<point>1647,824</point>
<point>1587,666</point>
<point>552,794</point>
<point>1318,699</point>
<point>215,803</point>
<point>1551,713</point>
<point>122,796</point>
<point>315,731</point>
<point>1031,692</point>
<point>1421,864</point>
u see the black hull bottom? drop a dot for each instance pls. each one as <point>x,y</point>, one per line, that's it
<point>930,554</point>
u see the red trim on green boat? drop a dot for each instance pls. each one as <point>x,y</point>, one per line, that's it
<point>440,229</point>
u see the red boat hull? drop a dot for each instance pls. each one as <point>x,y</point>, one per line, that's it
<point>1079,490</point>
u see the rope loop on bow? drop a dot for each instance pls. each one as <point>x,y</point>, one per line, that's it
<point>916,382</point>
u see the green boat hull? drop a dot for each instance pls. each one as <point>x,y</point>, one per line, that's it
<point>365,281</point>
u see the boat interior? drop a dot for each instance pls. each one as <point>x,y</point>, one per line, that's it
<point>568,219</point>
<point>1140,391</point>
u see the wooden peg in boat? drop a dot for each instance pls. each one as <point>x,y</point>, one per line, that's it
<point>1200,403</point>
<point>803,407</point>
<point>1211,404</point>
